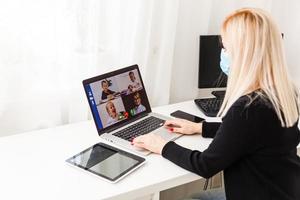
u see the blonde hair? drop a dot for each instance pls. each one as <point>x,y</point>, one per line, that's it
<point>255,47</point>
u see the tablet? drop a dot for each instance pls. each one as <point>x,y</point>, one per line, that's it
<point>107,162</point>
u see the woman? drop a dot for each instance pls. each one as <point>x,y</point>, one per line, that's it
<point>256,142</point>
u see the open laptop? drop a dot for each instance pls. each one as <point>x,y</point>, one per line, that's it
<point>121,109</point>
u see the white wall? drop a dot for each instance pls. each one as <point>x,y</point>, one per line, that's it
<point>286,13</point>
<point>199,17</point>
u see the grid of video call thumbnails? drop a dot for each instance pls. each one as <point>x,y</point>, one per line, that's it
<point>121,98</point>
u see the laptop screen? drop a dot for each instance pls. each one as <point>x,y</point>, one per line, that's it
<point>116,97</point>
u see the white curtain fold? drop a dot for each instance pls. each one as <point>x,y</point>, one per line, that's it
<point>47,47</point>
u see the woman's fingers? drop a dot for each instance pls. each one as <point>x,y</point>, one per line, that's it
<point>139,142</point>
<point>139,139</point>
<point>173,123</point>
<point>169,123</point>
<point>183,126</point>
<point>176,125</point>
<point>151,142</point>
<point>176,130</point>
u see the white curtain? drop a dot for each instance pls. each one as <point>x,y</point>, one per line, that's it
<point>47,47</point>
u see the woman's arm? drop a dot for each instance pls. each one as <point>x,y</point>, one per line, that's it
<point>233,139</point>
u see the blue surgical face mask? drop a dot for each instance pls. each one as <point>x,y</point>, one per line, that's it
<point>225,62</point>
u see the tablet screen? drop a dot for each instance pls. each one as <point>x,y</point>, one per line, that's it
<point>106,161</point>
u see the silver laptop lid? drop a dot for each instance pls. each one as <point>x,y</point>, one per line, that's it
<point>116,98</point>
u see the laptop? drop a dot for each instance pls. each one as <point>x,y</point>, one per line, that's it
<point>121,109</point>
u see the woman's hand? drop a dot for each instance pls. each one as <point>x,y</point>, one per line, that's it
<point>151,142</point>
<point>183,126</point>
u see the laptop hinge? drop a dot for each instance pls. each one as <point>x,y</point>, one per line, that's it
<point>125,123</point>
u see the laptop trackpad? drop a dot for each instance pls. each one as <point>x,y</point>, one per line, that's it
<point>164,133</point>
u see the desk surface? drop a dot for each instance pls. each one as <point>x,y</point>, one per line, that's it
<point>33,164</point>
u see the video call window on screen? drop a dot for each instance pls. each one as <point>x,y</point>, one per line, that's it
<point>118,97</point>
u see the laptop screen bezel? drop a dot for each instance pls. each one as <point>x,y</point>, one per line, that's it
<point>108,75</point>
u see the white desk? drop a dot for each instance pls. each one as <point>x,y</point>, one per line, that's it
<point>33,165</point>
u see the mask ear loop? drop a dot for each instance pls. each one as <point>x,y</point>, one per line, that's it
<point>221,43</point>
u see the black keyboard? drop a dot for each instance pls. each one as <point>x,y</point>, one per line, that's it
<point>142,127</point>
<point>219,94</point>
<point>210,106</point>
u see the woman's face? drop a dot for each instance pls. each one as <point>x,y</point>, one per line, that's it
<point>111,110</point>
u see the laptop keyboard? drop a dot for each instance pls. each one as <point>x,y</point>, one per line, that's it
<point>142,127</point>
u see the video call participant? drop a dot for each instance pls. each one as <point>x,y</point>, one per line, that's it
<point>136,85</point>
<point>112,112</point>
<point>138,104</point>
<point>106,93</point>
<point>130,89</point>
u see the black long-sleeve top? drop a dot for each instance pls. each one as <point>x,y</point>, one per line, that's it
<point>258,155</point>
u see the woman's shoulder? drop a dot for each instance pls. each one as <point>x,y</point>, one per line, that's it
<point>254,105</point>
<point>254,100</point>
